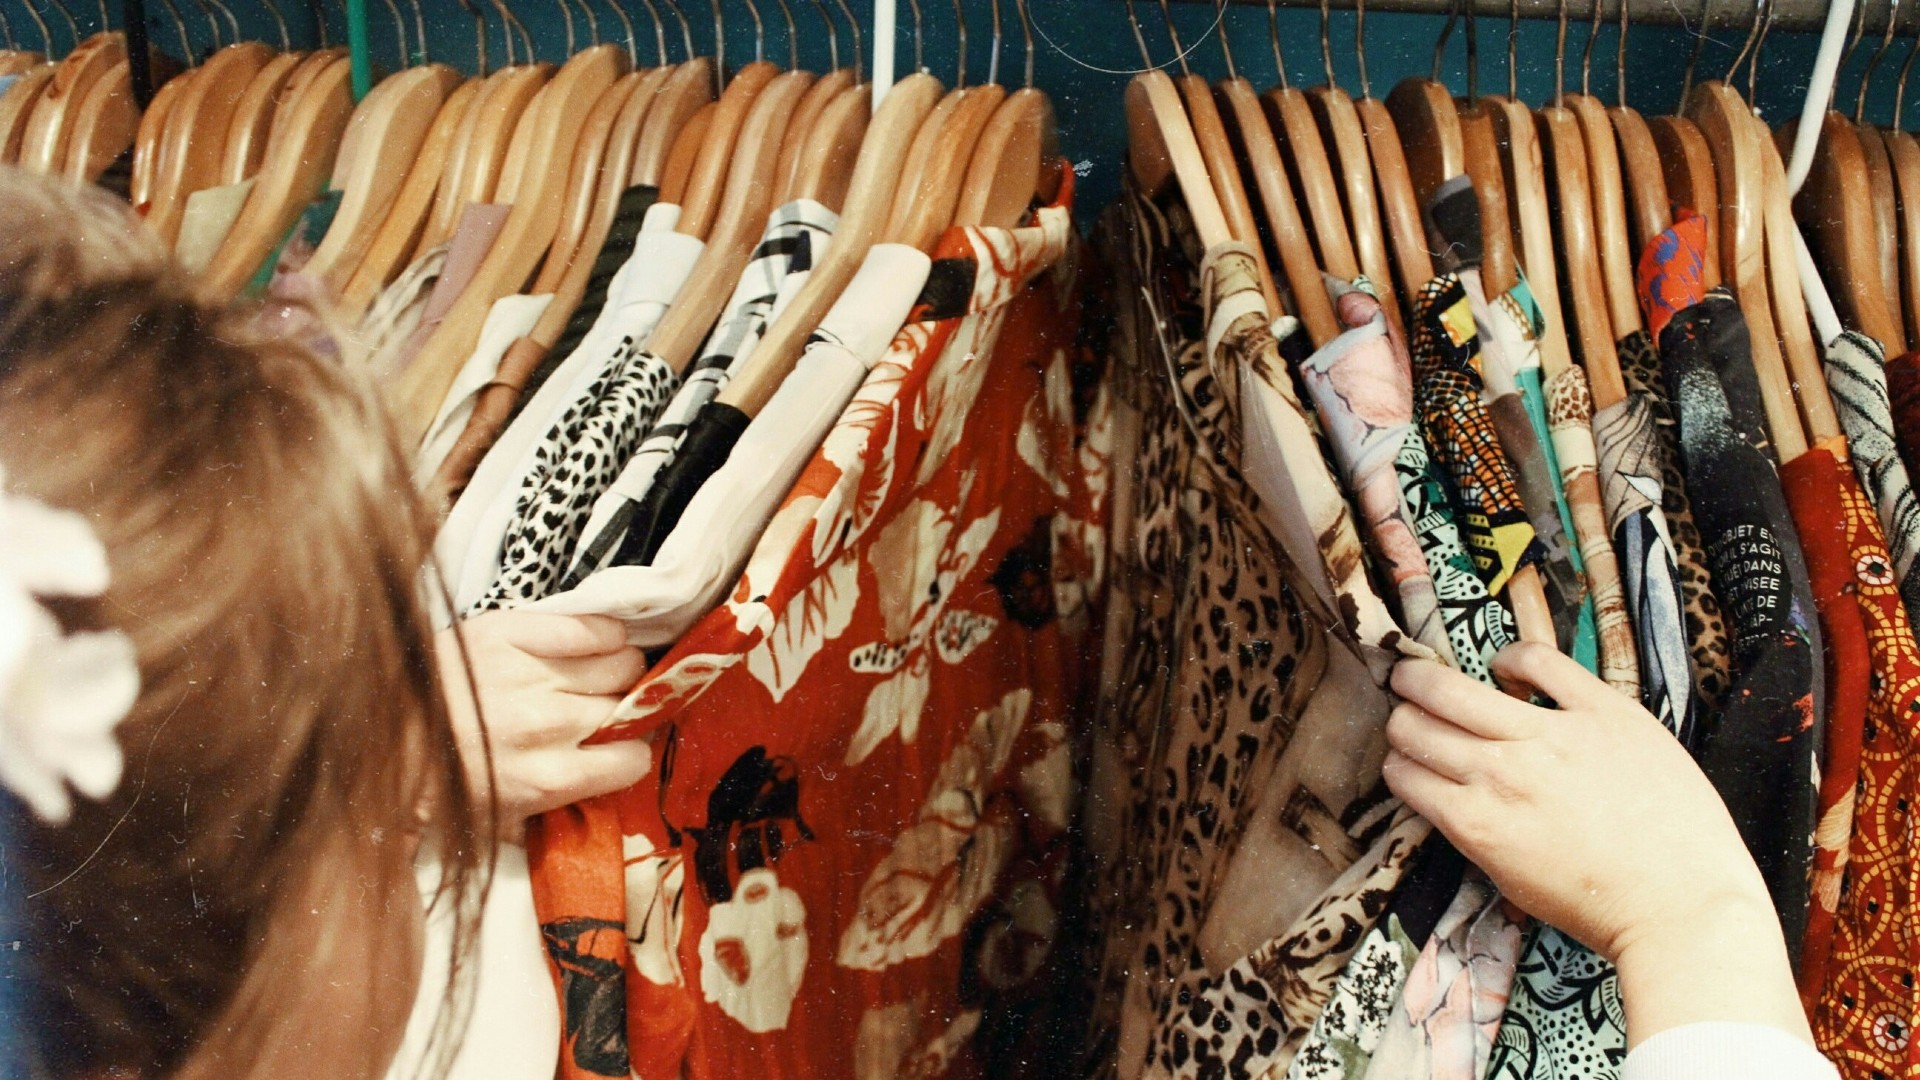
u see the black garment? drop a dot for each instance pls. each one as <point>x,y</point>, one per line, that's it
<point>709,440</point>
<point>1759,750</point>
<point>621,235</point>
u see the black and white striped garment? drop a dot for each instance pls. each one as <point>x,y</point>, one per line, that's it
<point>795,239</point>
<point>1857,375</point>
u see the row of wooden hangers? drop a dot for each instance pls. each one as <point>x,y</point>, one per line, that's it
<point>1570,192</point>
<point>559,144</point>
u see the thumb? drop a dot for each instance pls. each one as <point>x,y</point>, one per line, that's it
<point>559,637</point>
<point>1538,667</point>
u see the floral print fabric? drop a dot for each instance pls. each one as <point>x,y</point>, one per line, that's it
<point>845,862</point>
<point>1865,1014</point>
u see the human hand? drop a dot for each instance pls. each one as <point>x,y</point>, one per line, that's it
<point>546,683</point>
<point>1593,818</point>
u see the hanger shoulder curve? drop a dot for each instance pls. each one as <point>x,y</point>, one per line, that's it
<point>868,202</point>
<point>147,138</point>
<point>1686,165</point>
<point>253,117</point>
<point>1905,152</point>
<point>395,243</point>
<point>686,91</point>
<point>1397,201</point>
<point>806,115</point>
<point>926,202</point>
<point>705,187</point>
<point>103,126</point>
<point>1808,384</point>
<point>50,127</point>
<point>1609,201</point>
<point>1429,125</point>
<point>1646,186</point>
<point>1524,167</point>
<point>823,171</point>
<point>920,161</point>
<point>1340,125</point>
<point>20,61</point>
<point>1289,232</point>
<point>1290,117</point>
<point>1498,271</point>
<point>195,143</point>
<point>1566,159</point>
<point>16,106</point>
<point>1216,152</point>
<point>590,155</point>
<point>1836,206</point>
<point>1886,209</point>
<point>484,144</point>
<point>1010,167</point>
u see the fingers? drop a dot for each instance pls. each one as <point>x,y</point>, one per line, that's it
<point>1435,744</point>
<point>599,770</point>
<point>1467,702</point>
<point>1429,793</point>
<point>544,634</point>
<point>1540,668</point>
<point>612,673</point>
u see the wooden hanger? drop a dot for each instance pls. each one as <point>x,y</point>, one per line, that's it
<point>16,108</point>
<point>1289,232</point>
<point>1835,205</point>
<point>1429,125</point>
<point>1646,185</point>
<point>1904,149</point>
<point>925,200</point>
<point>869,203</point>
<point>706,186</point>
<point>1481,149</point>
<point>1618,267</point>
<point>823,171</point>
<point>300,154</point>
<point>388,128</point>
<point>1524,169</point>
<point>686,90</point>
<point>147,138</point>
<point>395,242</point>
<point>1216,151</point>
<point>739,221</point>
<point>253,117</point>
<point>1568,166</point>
<point>195,142</point>
<point>50,127</point>
<point>1290,118</point>
<point>1803,355</point>
<point>1012,164</point>
<point>806,115</point>
<point>1686,165</point>
<point>19,61</point>
<point>1339,124</point>
<point>103,125</point>
<point>623,143</point>
<point>686,150</point>
<point>1161,148</point>
<point>1721,117</point>
<point>1886,212</point>
<point>524,238</point>
<point>480,146</point>
<point>584,182</point>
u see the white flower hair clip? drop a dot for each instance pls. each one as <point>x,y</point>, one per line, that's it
<point>61,694</point>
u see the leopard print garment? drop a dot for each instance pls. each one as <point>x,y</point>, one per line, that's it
<point>1707,641</point>
<point>576,462</point>
<point>1216,649</point>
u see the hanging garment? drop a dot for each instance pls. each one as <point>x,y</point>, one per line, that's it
<point>1632,481</point>
<point>1856,373</point>
<point>1461,435</point>
<point>1510,366</point>
<point>473,541</point>
<point>1813,484</point>
<point>206,221</point>
<point>846,861</point>
<point>703,557</point>
<point>1452,1004</point>
<point>629,217</point>
<point>1760,750</point>
<point>390,335</point>
<point>397,309</point>
<point>1670,279</point>
<point>1236,826</point>
<point>507,320</point>
<point>1867,1009</point>
<point>1362,390</point>
<point>795,239</point>
<point>1903,392</point>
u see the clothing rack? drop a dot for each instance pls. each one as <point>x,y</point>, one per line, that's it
<point>1786,14</point>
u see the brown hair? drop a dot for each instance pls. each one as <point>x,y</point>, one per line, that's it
<point>245,904</point>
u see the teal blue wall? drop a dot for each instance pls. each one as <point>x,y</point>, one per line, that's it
<point>1085,50</point>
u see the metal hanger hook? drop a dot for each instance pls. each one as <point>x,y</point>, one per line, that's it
<point>1273,34</point>
<point>833,35</point>
<point>626,27</point>
<point>793,34</point>
<point>1326,40</point>
<point>859,53</point>
<point>1446,34</point>
<point>1026,36</point>
<point>479,34</point>
<point>1473,54</point>
<point>399,29</point>
<point>1513,50</point>
<point>1179,49</point>
<point>73,26</point>
<point>1699,42</point>
<point>919,51</point>
<point>1226,48</point>
<point>1560,56</point>
<point>1906,69</point>
<point>1873,64</point>
<point>960,26</point>
<point>993,55</point>
<point>233,24</point>
<point>759,31</point>
<point>686,28</point>
<point>1360,47</point>
<point>1586,54</point>
<point>6,30</point>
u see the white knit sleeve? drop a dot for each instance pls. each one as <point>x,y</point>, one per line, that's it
<point>1726,1051</point>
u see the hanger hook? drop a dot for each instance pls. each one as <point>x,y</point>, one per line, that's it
<point>1560,55</point>
<point>1906,69</point>
<point>1219,11</point>
<point>686,28</point>
<point>73,27</point>
<point>1746,47</point>
<point>960,27</point>
<point>833,34</point>
<point>479,34</point>
<point>919,50</point>
<point>1699,41</point>
<point>793,34</point>
<point>759,31</point>
<point>1446,32</point>
<point>279,23</point>
<point>46,33</point>
<point>399,28</point>
<point>1770,7</point>
<point>1326,40</point>
<point>233,24</point>
<point>859,53</point>
<point>1620,59</point>
<point>626,27</point>
<point>1586,54</point>
<point>6,31</point>
<point>1859,31</point>
<point>1026,36</point>
<point>593,21</point>
<point>993,54</point>
<point>1360,47</point>
<point>1873,64</point>
<point>1179,49</point>
<point>206,12</point>
<point>419,30</point>
<point>1273,35</point>
<point>659,31</point>
<point>1473,53</point>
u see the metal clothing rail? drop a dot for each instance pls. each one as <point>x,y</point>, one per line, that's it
<point>1787,14</point>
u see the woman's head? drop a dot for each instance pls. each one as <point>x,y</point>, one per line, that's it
<point>245,903</point>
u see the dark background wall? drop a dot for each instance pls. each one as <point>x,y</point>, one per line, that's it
<point>1084,49</point>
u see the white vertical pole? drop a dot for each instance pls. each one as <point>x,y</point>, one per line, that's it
<point>884,15</point>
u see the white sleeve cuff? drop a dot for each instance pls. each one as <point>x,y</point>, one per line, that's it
<point>1716,1050</point>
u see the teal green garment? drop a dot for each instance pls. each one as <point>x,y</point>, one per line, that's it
<point>1586,635</point>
